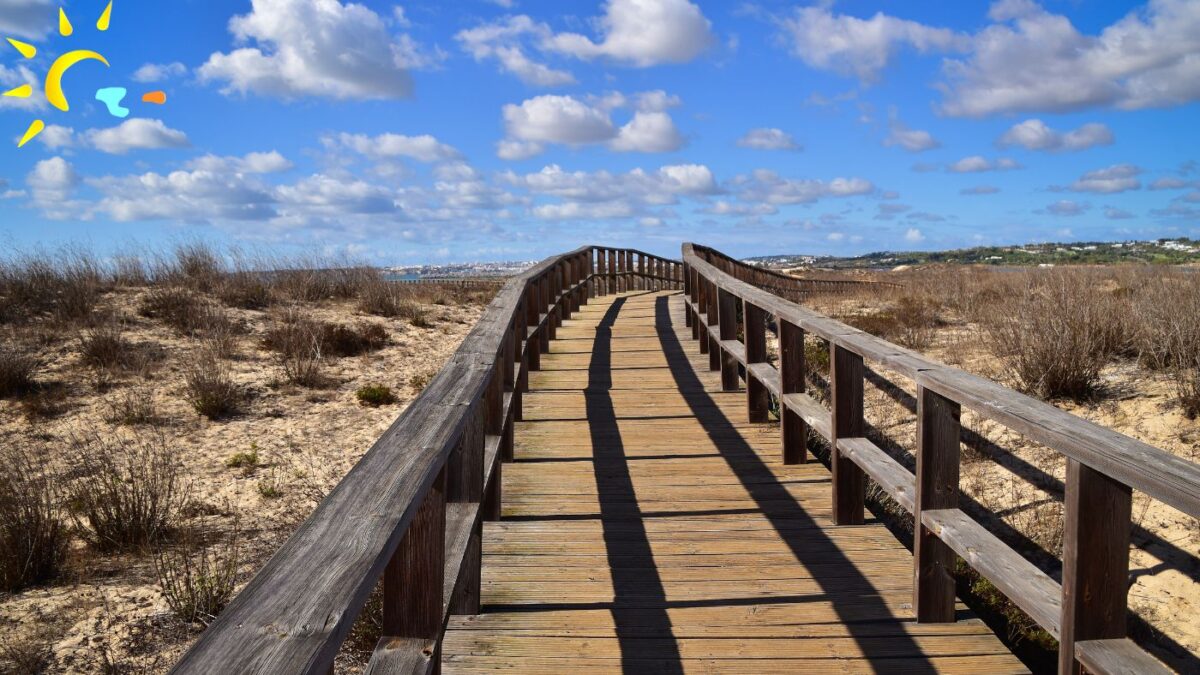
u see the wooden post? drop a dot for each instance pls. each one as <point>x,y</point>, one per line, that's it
<point>714,349</point>
<point>413,578</point>
<point>757,400</point>
<point>493,424</point>
<point>547,331</point>
<point>727,318</point>
<point>643,282</point>
<point>592,267</point>
<point>614,266</point>
<point>938,446</point>
<point>464,485</point>
<point>1095,577</point>
<point>849,483</point>
<point>689,293</point>
<point>533,353</point>
<point>700,329</point>
<point>791,381</point>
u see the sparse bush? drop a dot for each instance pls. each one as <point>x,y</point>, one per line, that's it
<point>1056,334</point>
<point>131,407</point>
<point>269,489</point>
<point>105,347</point>
<point>177,307</point>
<point>16,372</point>
<point>420,381</point>
<point>66,287</point>
<point>911,321</point>
<point>375,395</point>
<point>129,492</point>
<point>27,653</point>
<point>198,265</point>
<point>197,581</point>
<point>342,340</point>
<point>33,539</point>
<point>246,461</point>
<point>210,388</point>
<point>298,342</point>
<point>1168,337</point>
<point>380,298</point>
<point>245,290</point>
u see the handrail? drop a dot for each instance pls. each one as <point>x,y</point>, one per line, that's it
<point>763,277</point>
<point>411,510</point>
<point>1086,611</point>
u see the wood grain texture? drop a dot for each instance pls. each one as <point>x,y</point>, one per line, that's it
<point>649,526</point>
<point>938,449</point>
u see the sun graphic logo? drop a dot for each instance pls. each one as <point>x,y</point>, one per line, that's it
<point>112,97</point>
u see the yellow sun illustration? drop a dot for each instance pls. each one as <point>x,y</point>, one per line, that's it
<point>53,85</point>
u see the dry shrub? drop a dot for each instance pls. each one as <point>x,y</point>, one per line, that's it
<point>210,389</point>
<point>1056,333</point>
<point>16,371</point>
<point>105,347</point>
<point>33,539</point>
<point>375,395</point>
<point>245,290</point>
<point>196,580</point>
<point>380,298</point>
<point>298,342</point>
<point>342,340</point>
<point>1168,337</point>
<point>66,287</point>
<point>175,306</point>
<point>421,380</point>
<point>198,265</point>
<point>27,654</point>
<point>911,321</point>
<point>129,492</point>
<point>132,406</point>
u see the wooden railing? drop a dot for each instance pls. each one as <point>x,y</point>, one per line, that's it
<point>1086,612</point>
<point>783,285</point>
<point>411,511</point>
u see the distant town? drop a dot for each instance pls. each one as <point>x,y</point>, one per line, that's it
<point>460,270</point>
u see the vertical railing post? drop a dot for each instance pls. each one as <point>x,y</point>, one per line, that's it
<point>697,292</point>
<point>755,331</point>
<point>938,447</point>
<point>614,266</point>
<point>794,429</point>
<point>689,293</point>
<point>1095,576</point>
<point>728,322</point>
<point>413,578</point>
<point>494,426</point>
<point>714,348</point>
<point>590,269</point>
<point>464,485</point>
<point>700,330</point>
<point>643,283</point>
<point>849,482</point>
<point>533,353</point>
<point>517,374</point>
<point>547,325</point>
<point>602,270</point>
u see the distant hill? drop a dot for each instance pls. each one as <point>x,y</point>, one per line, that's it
<point>1161,251</point>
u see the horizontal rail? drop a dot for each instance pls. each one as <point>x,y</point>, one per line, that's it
<point>410,512</point>
<point>1086,612</point>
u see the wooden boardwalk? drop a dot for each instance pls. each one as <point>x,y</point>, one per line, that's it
<point>649,528</point>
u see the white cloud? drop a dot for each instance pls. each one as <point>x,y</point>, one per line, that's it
<point>503,41</point>
<point>768,187</point>
<point>253,163</point>
<point>1066,207</point>
<point>648,132</point>
<point>136,134</point>
<point>52,181</point>
<point>56,137</point>
<point>568,121</point>
<point>858,47</point>
<point>328,196</point>
<point>724,208</point>
<point>1113,213</point>
<point>584,211</point>
<point>157,72</point>
<point>1038,61</point>
<point>913,235</point>
<point>423,148</point>
<point>768,139</point>
<point>315,48</point>
<point>979,190</point>
<point>1033,134</point>
<point>912,140</point>
<point>643,33</point>
<point>979,164</point>
<point>1116,178</point>
<point>26,18</point>
<point>1170,183</point>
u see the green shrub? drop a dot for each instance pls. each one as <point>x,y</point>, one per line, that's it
<point>375,395</point>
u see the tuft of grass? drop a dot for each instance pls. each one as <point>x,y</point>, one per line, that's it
<point>245,290</point>
<point>33,538</point>
<point>375,395</point>
<point>104,347</point>
<point>211,390</point>
<point>16,372</point>
<point>421,380</point>
<point>175,306</point>
<point>130,492</point>
<point>342,340</point>
<point>29,653</point>
<point>270,487</point>
<point>246,461</point>
<point>299,343</point>
<point>198,581</point>
<point>132,407</point>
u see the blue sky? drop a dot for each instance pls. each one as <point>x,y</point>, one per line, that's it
<point>505,129</point>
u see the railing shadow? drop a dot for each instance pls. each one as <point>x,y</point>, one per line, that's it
<point>639,603</point>
<point>782,510</point>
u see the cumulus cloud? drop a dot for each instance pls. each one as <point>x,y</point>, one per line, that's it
<point>857,47</point>
<point>642,33</point>
<point>136,134</point>
<point>912,140</point>
<point>52,181</point>
<point>253,163</point>
<point>768,139</point>
<point>319,48</point>
<point>423,148</point>
<point>1033,134</point>
<point>979,164</point>
<point>26,18</point>
<point>1113,213</point>
<point>768,187</point>
<point>1116,178</point>
<point>1170,183</point>
<point>566,120</point>
<point>1034,60</point>
<point>914,236</point>
<point>504,41</point>
<point>157,72</point>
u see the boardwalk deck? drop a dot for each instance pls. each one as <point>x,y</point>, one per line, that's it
<point>647,527</point>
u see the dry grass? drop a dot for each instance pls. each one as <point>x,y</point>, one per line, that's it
<point>298,342</point>
<point>210,388</point>
<point>129,492</point>
<point>33,538</point>
<point>17,369</point>
<point>198,580</point>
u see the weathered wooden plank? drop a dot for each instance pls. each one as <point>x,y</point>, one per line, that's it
<point>883,469</point>
<point>403,656</point>
<point>1117,657</point>
<point>938,449</point>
